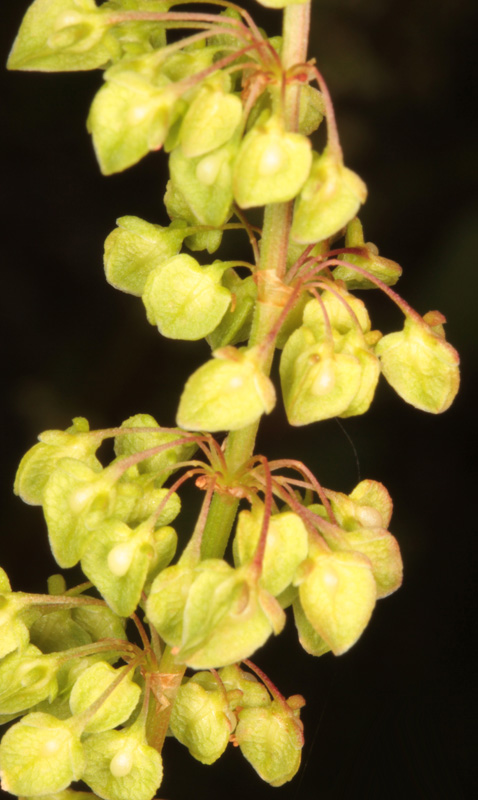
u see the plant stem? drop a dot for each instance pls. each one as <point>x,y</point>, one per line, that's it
<point>274,245</point>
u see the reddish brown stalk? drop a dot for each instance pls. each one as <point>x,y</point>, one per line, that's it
<point>172,489</point>
<point>141,631</point>
<point>298,264</point>
<point>328,326</point>
<point>250,232</point>
<point>333,141</point>
<point>194,546</point>
<point>348,307</point>
<point>299,467</point>
<point>399,301</point>
<point>311,521</point>
<point>261,546</point>
<point>271,687</point>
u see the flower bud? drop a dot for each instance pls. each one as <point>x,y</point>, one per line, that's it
<point>128,443</point>
<point>210,121</point>
<point>421,366</point>
<point>72,492</point>
<point>205,182</point>
<point>271,166</point>
<point>129,116</point>
<point>63,35</point>
<point>26,678</point>
<point>372,494</point>
<point>382,268</point>
<point>227,393</point>
<point>120,765</point>
<point>345,313</point>
<point>166,602</point>
<point>117,707</point>
<point>317,383</point>
<point>13,631</point>
<point>311,110</point>
<point>337,592</point>
<point>99,622</point>
<point>40,755</point>
<point>226,616</point>
<point>243,689</point>
<point>137,247</point>
<point>271,739</point>
<point>39,462</point>
<point>117,562</point>
<point>184,299</point>
<point>201,719</point>
<point>286,546</point>
<point>330,198</point>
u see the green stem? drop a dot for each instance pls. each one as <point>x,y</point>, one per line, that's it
<point>274,246</point>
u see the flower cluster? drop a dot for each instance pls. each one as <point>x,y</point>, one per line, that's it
<point>94,677</point>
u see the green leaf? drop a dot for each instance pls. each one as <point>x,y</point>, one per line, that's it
<point>120,765</point>
<point>210,121</point>
<point>421,366</point>
<point>227,393</point>
<point>135,248</point>
<point>116,709</point>
<point>129,117</point>
<point>330,198</point>
<point>63,35</point>
<point>201,719</point>
<point>271,166</point>
<point>286,546</point>
<point>40,755</point>
<point>185,300</point>
<point>205,183</point>
<point>26,678</point>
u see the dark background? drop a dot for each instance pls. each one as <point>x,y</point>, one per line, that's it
<point>392,718</point>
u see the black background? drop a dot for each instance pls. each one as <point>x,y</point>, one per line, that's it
<point>393,717</point>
